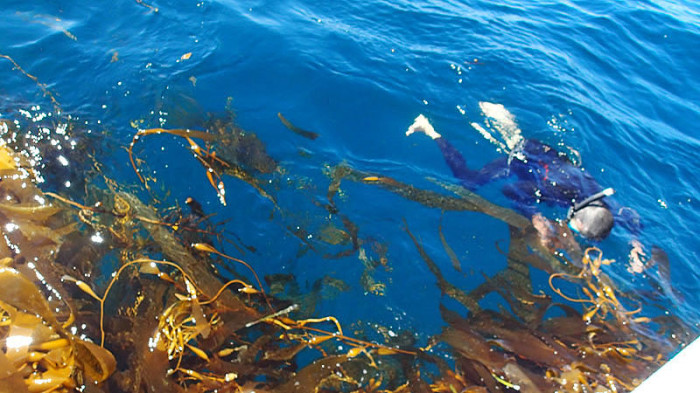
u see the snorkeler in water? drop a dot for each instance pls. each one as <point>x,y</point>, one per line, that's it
<point>543,176</point>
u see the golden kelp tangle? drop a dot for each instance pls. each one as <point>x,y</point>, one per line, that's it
<point>167,324</point>
<point>205,336</point>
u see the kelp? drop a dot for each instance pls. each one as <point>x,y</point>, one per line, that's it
<point>286,288</point>
<point>32,228</point>
<point>566,353</point>
<point>583,351</point>
<point>295,129</point>
<point>336,237</point>
<point>456,264</point>
<point>240,146</point>
<point>427,198</point>
<point>123,296</point>
<point>598,347</point>
<point>42,86</point>
<point>150,7</point>
<point>445,286</point>
<point>240,154</point>
<point>599,292</point>
<point>39,353</point>
<point>170,324</point>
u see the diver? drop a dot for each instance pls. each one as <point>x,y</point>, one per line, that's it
<point>543,175</point>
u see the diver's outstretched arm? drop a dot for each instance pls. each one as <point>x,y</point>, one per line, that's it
<point>628,218</point>
<point>469,178</point>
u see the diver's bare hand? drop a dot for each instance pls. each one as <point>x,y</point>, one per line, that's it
<point>637,258</point>
<point>545,230</point>
<point>421,124</point>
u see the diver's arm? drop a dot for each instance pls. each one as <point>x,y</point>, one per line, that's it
<point>629,218</point>
<point>626,217</point>
<point>524,196</point>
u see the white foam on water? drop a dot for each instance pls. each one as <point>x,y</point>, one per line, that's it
<point>501,120</point>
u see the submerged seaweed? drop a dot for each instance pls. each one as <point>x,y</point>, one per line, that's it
<point>100,289</point>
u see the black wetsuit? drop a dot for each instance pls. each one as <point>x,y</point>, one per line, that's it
<point>543,176</point>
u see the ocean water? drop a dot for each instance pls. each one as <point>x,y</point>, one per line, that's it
<point>614,83</point>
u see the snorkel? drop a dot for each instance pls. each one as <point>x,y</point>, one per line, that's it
<point>590,200</point>
<point>584,209</point>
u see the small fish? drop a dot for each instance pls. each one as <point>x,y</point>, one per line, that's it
<point>295,129</point>
<point>195,207</point>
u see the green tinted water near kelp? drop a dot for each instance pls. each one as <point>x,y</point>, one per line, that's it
<point>103,291</point>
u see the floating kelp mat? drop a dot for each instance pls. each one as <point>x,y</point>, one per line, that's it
<point>110,287</point>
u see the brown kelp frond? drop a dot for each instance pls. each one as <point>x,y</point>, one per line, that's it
<point>38,354</point>
<point>445,286</point>
<point>231,161</point>
<point>576,352</point>
<point>144,4</point>
<point>172,323</point>
<point>42,86</point>
<point>184,328</point>
<point>516,356</point>
<point>207,248</point>
<point>456,264</point>
<point>187,326</point>
<point>207,158</point>
<point>295,129</point>
<point>467,201</point>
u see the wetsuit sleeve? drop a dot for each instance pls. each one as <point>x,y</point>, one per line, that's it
<point>626,217</point>
<point>523,193</point>
<point>470,179</point>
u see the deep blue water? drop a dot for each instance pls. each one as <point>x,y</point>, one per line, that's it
<point>616,81</point>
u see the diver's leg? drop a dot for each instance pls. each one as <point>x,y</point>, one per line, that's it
<point>471,178</point>
<point>456,162</point>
